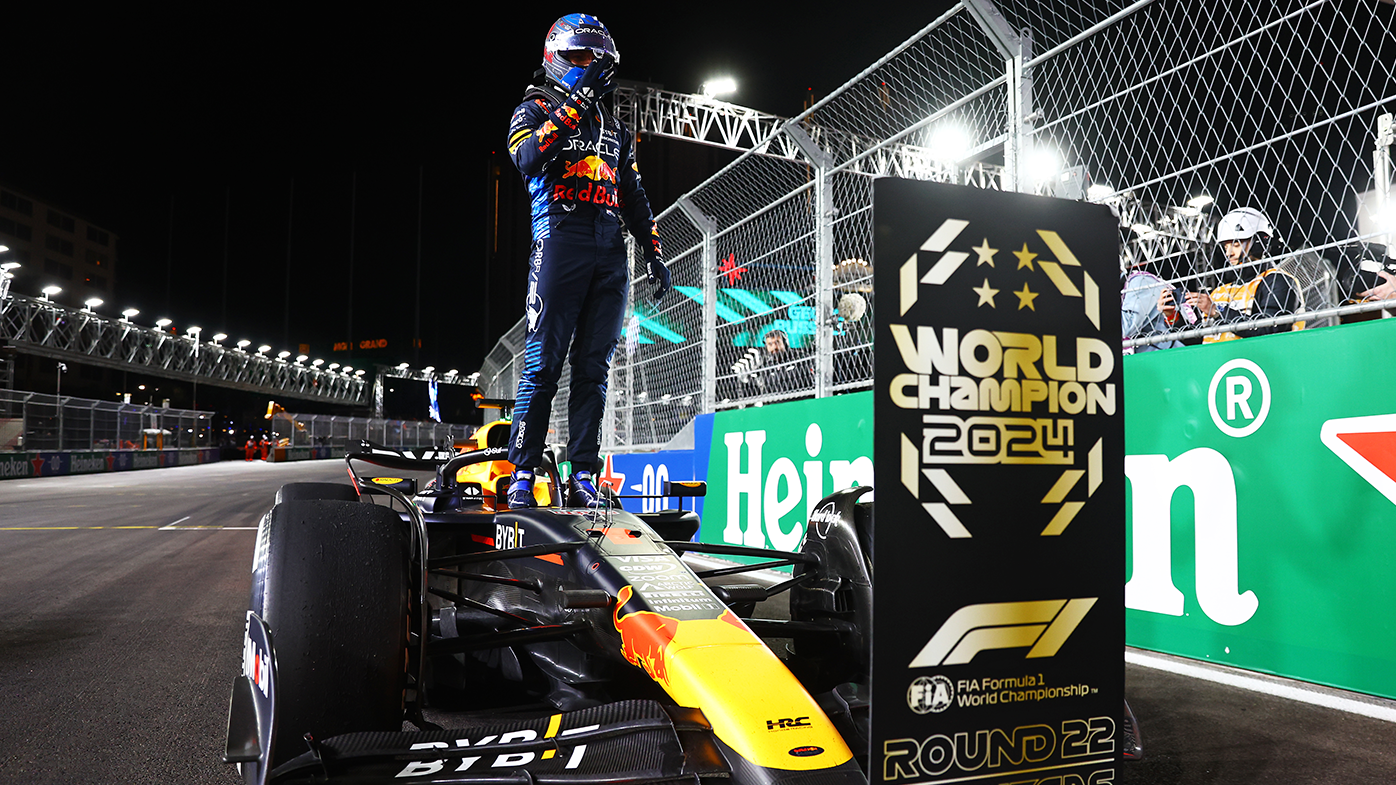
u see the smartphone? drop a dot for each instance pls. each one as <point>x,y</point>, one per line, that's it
<point>1180,301</point>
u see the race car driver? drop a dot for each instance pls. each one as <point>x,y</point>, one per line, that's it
<point>577,160</point>
<point>1244,235</point>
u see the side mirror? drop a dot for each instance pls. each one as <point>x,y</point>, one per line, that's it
<point>408,486</point>
<point>683,488</point>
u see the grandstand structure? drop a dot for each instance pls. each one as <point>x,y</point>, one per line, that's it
<point>1172,112</point>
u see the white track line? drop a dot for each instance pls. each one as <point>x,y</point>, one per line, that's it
<point>1376,708</point>
<point>172,525</point>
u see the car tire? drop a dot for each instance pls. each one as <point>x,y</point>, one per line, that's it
<point>333,588</point>
<point>310,491</point>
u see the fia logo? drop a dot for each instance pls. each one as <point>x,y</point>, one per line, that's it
<point>930,694</point>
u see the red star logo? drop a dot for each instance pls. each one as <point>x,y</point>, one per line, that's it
<point>610,478</point>
<point>38,466</point>
<point>111,461</point>
<point>727,268</point>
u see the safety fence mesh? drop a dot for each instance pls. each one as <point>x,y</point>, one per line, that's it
<point>343,434</point>
<point>1172,112</point>
<point>38,422</point>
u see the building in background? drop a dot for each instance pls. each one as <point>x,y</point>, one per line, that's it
<point>55,248</point>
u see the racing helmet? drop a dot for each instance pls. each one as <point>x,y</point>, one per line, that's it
<point>1246,223</point>
<point>570,33</point>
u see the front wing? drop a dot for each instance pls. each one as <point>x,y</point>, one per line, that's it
<point>623,742</point>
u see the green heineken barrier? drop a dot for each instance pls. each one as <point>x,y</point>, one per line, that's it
<point>769,465</point>
<point>1262,505</point>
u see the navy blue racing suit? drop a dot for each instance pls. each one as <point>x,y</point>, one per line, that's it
<point>578,162</point>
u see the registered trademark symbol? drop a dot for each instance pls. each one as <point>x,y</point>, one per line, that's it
<point>1239,398</point>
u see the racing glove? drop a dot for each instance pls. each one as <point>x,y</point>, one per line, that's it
<point>659,273</point>
<point>596,81</point>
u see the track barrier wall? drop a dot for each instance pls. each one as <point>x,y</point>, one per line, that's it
<point>15,465</point>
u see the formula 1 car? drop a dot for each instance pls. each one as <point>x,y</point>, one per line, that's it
<point>546,645</point>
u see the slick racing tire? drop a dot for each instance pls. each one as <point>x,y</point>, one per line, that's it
<point>331,581</point>
<point>309,491</point>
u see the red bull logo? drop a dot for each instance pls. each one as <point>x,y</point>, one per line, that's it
<point>590,168</point>
<point>645,637</point>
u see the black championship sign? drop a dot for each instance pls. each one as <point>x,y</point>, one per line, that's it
<point>999,620</point>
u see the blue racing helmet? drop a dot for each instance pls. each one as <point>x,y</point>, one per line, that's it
<point>569,34</point>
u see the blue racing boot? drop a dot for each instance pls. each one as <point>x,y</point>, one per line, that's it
<point>581,491</point>
<point>521,490</point>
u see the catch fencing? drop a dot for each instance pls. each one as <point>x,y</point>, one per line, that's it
<point>343,434</point>
<point>1170,112</point>
<point>38,422</point>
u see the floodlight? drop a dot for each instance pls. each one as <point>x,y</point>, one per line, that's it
<point>949,143</point>
<point>90,303</point>
<point>1043,164</point>
<point>722,85</point>
<point>1099,191</point>
<point>1200,201</point>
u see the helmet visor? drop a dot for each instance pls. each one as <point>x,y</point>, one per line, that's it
<point>584,38</point>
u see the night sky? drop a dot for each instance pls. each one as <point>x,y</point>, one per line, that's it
<point>200,136</point>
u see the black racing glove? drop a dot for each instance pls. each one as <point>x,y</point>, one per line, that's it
<point>596,81</point>
<point>659,273</point>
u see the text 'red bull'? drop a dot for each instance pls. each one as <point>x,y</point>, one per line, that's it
<point>645,636</point>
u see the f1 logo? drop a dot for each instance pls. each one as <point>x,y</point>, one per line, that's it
<point>1042,624</point>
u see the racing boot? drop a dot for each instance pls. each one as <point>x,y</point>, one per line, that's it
<point>521,490</point>
<point>581,491</point>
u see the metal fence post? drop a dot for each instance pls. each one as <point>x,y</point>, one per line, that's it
<point>708,265</point>
<point>823,164</point>
<point>1011,45</point>
<point>1381,169</point>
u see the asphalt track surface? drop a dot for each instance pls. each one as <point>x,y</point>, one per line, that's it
<point>121,607</point>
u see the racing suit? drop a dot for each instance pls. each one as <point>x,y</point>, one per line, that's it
<point>577,160</point>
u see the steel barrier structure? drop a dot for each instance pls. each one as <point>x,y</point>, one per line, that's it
<point>45,328</point>
<point>38,422</point>
<point>1172,112</point>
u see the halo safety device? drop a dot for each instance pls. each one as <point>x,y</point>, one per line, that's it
<point>571,33</point>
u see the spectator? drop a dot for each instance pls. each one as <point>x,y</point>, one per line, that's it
<point>774,370</point>
<point>1140,316</point>
<point>1245,236</point>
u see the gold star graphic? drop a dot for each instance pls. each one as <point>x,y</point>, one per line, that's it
<point>1025,257</point>
<point>1025,298</point>
<point>986,254</point>
<point>986,294</point>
